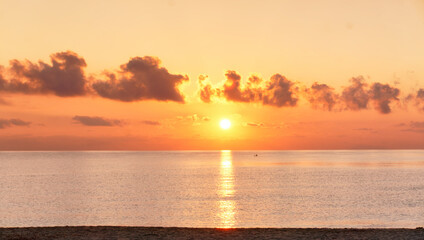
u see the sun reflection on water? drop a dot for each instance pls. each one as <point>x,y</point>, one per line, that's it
<point>226,191</point>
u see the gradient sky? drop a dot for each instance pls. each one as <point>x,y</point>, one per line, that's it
<point>328,42</point>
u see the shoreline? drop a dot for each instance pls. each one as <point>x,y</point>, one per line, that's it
<point>124,232</point>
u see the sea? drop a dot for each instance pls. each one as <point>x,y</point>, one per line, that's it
<point>222,189</point>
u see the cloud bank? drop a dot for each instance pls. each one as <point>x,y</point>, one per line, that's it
<point>278,91</point>
<point>143,78</point>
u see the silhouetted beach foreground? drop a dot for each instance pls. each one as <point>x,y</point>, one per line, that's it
<point>107,232</point>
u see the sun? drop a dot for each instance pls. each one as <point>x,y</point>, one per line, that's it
<point>225,124</point>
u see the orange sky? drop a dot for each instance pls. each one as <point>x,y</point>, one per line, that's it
<point>82,79</point>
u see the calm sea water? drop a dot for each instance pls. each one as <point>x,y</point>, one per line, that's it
<point>213,189</point>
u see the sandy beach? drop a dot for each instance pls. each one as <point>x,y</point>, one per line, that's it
<point>123,233</point>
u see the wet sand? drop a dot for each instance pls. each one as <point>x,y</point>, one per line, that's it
<point>124,233</point>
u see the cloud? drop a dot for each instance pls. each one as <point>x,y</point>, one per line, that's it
<point>254,80</point>
<point>369,130</point>
<point>321,96</point>
<point>3,81</point>
<point>418,99</point>
<point>278,91</point>
<point>382,95</point>
<point>153,123</point>
<point>253,89</point>
<point>417,127</point>
<point>364,129</point>
<point>141,78</point>
<point>206,91</point>
<point>420,94</point>
<point>253,124</point>
<point>4,123</point>
<point>64,77</point>
<point>96,121</point>
<point>355,97</point>
<point>232,89</point>
<point>416,124</point>
<point>359,94</point>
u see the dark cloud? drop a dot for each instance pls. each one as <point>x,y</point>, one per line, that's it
<point>2,86</point>
<point>358,95</point>
<point>153,123</point>
<point>418,99</point>
<point>279,92</point>
<point>254,89</point>
<point>232,89</point>
<point>64,77</point>
<point>141,78</point>
<point>2,79</point>
<point>355,97</point>
<point>420,94</point>
<point>321,96</point>
<point>382,95</point>
<point>4,123</point>
<point>96,121</point>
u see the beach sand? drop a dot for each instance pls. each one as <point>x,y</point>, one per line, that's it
<point>123,233</point>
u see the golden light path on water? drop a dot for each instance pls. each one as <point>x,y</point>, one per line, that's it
<point>227,205</point>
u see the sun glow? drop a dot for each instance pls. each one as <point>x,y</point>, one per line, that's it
<point>225,124</point>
